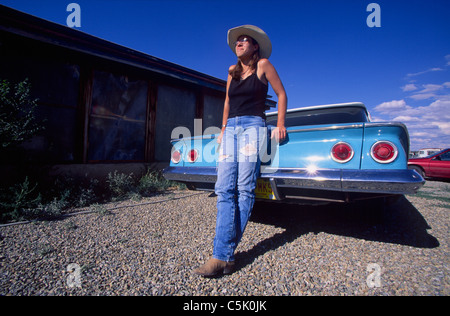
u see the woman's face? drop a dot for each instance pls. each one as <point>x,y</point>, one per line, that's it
<point>245,46</point>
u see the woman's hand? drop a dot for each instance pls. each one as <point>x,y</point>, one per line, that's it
<point>279,133</point>
<point>219,138</point>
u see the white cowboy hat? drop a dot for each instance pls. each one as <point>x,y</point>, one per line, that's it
<point>265,46</point>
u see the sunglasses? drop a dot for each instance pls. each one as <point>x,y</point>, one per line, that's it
<point>242,41</point>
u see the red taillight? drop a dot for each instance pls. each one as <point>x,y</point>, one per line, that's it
<point>342,152</point>
<point>192,155</point>
<point>176,156</point>
<point>384,152</point>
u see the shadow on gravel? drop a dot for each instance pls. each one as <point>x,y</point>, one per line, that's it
<point>398,223</point>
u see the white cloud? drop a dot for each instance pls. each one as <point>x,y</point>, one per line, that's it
<point>427,125</point>
<point>431,88</point>
<point>415,74</point>
<point>404,118</point>
<point>430,91</point>
<point>409,87</point>
<point>424,72</point>
<point>418,134</point>
<point>377,118</point>
<point>392,106</point>
<point>443,126</point>
<point>440,108</point>
<point>422,96</point>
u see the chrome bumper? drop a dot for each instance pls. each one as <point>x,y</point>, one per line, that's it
<point>341,180</point>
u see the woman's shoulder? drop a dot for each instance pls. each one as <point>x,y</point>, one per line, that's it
<point>263,62</point>
<point>231,68</point>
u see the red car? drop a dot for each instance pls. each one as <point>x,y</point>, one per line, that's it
<point>434,166</point>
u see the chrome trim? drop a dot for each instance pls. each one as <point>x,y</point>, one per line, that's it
<point>198,137</point>
<point>382,181</point>
<point>312,129</point>
<point>395,181</point>
<point>328,180</point>
<point>381,124</point>
<point>326,128</point>
<point>191,174</point>
<point>323,106</point>
<point>302,197</point>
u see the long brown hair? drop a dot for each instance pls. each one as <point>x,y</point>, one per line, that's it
<point>236,72</point>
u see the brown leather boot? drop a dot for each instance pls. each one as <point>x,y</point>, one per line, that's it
<point>214,267</point>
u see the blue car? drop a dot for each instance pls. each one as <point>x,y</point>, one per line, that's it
<point>332,153</point>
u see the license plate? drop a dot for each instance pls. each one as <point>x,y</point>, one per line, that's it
<point>264,190</point>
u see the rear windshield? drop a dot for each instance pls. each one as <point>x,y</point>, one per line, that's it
<point>323,116</point>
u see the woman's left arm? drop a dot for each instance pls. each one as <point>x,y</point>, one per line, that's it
<point>273,78</point>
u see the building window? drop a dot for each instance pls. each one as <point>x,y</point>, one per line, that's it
<point>175,108</point>
<point>117,118</point>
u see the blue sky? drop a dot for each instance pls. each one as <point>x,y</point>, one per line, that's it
<point>323,50</point>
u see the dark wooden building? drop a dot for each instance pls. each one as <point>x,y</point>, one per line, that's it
<point>102,102</point>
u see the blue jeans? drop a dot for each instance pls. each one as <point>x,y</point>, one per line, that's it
<point>238,168</point>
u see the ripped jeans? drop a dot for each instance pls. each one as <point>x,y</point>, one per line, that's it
<point>238,169</point>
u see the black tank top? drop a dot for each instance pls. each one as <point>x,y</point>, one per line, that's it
<point>247,96</point>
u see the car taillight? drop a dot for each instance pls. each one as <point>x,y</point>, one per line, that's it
<point>384,152</point>
<point>176,156</point>
<point>192,155</point>
<point>342,152</point>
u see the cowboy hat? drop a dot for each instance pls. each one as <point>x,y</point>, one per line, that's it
<point>265,46</point>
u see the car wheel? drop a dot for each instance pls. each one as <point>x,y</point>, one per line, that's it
<point>418,169</point>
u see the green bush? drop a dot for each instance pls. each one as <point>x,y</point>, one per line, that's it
<point>18,199</point>
<point>17,120</point>
<point>120,184</point>
<point>28,200</point>
<point>153,182</point>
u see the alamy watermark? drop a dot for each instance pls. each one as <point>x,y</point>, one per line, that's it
<point>74,277</point>
<point>247,145</point>
<point>374,18</point>
<point>374,278</point>
<point>74,18</point>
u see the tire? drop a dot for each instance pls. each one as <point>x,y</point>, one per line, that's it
<point>418,169</point>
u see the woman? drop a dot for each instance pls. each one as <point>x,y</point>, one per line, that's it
<point>243,132</point>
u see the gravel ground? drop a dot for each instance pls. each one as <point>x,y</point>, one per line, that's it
<point>151,249</point>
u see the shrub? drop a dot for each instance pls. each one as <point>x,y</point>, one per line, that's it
<point>17,121</point>
<point>28,200</point>
<point>120,184</point>
<point>16,200</point>
<point>153,182</point>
